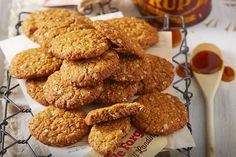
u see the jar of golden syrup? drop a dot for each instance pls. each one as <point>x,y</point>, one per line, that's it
<point>194,11</point>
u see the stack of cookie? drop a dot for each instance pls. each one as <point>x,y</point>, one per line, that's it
<point>81,62</point>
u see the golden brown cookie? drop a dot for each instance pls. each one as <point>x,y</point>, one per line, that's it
<point>105,137</point>
<point>162,115</point>
<point>113,112</point>
<point>80,44</point>
<point>161,76</point>
<point>122,42</point>
<point>137,29</point>
<point>37,19</point>
<point>44,36</point>
<point>91,71</point>
<point>54,18</point>
<point>34,63</point>
<point>131,69</point>
<point>35,89</point>
<point>43,26</point>
<point>117,92</point>
<point>63,94</point>
<point>58,127</point>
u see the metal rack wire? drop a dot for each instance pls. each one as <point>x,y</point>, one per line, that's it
<point>183,51</point>
<point>102,9</point>
<point>5,91</point>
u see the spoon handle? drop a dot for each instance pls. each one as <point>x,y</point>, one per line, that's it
<point>210,127</point>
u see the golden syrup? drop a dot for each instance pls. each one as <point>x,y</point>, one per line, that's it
<point>228,74</point>
<point>176,37</point>
<point>180,71</point>
<point>206,62</point>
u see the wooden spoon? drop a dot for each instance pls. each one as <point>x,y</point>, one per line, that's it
<point>209,84</point>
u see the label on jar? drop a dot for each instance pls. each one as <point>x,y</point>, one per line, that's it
<point>194,11</point>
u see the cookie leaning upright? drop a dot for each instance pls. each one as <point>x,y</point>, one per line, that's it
<point>162,114</point>
<point>131,69</point>
<point>57,127</point>
<point>34,63</point>
<point>161,76</point>
<point>137,29</point>
<point>35,89</point>
<point>63,94</point>
<point>105,137</point>
<point>90,71</point>
<point>122,42</point>
<point>79,44</point>
<point>113,112</point>
<point>117,92</point>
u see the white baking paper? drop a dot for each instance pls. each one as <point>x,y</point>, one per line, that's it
<point>146,145</point>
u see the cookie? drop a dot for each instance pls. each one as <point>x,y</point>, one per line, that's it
<point>43,26</point>
<point>35,89</point>
<point>117,92</point>
<point>121,41</point>
<point>162,115</point>
<point>34,63</point>
<point>105,137</point>
<point>91,71</point>
<point>131,69</point>
<point>112,112</point>
<point>44,36</point>
<point>62,18</point>
<point>57,127</point>
<point>137,29</point>
<point>53,18</point>
<point>161,76</point>
<point>80,44</point>
<point>65,95</point>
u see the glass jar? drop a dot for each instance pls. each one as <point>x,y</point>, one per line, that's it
<point>194,11</point>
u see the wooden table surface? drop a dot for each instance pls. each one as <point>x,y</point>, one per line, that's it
<point>225,102</point>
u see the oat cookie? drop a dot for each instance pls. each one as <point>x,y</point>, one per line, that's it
<point>35,89</point>
<point>54,18</point>
<point>161,76</point>
<point>34,63</point>
<point>131,69</point>
<point>58,127</point>
<point>91,71</point>
<point>113,112</point>
<point>105,137</point>
<point>137,29</point>
<point>162,115</point>
<point>117,92</point>
<point>80,44</point>
<point>65,95</point>
<point>122,42</point>
<point>45,25</point>
<point>44,36</point>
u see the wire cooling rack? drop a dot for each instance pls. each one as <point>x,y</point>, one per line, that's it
<point>5,91</point>
<point>183,51</point>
